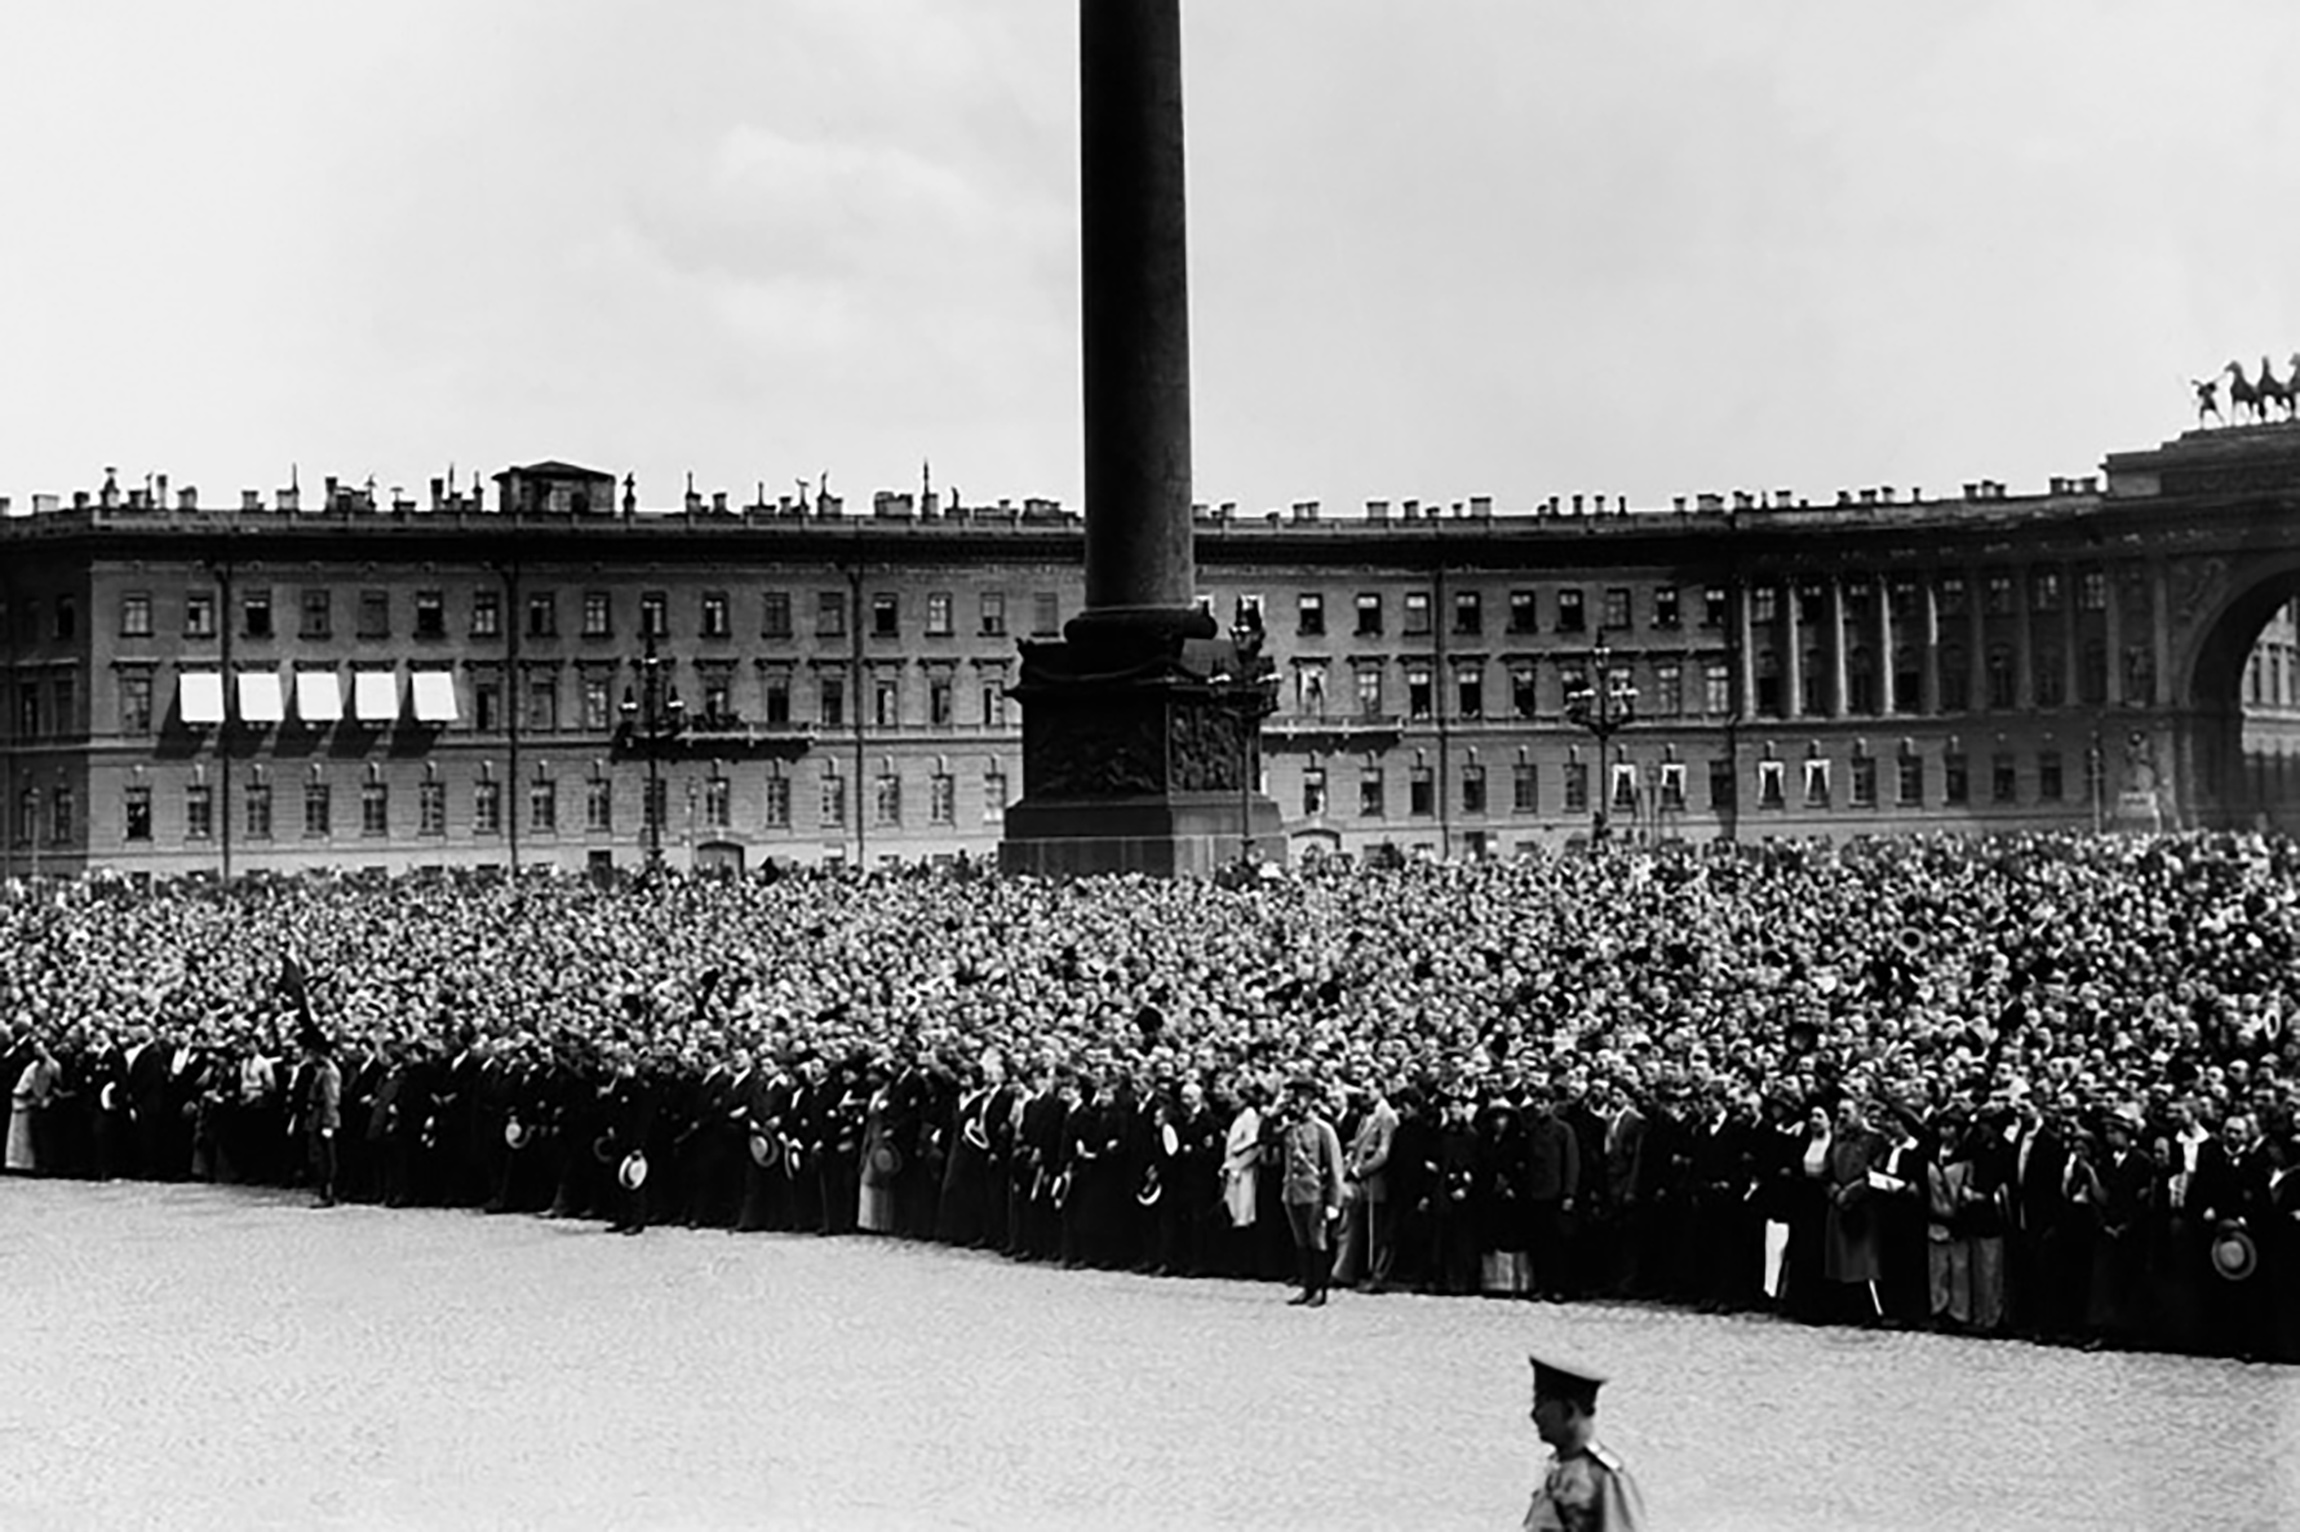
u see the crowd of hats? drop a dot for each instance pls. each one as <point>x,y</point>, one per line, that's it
<point>2102,976</point>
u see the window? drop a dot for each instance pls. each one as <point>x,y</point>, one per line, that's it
<point>136,812</point>
<point>2051,678</point>
<point>1524,788</point>
<point>942,799</point>
<point>1717,688</point>
<point>1816,783</point>
<point>1864,783</point>
<point>1665,606</point>
<point>1369,614</point>
<point>1372,793</point>
<point>1045,614</point>
<point>1421,792</point>
<point>775,621</point>
<point>1812,604</point>
<point>1908,680</point>
<point>1468,612</point>
<point>542,615</point>
<point>136,614</point>
<point>830,613</point>
<point>542,703</point>
<point>1668,688</point>
<point>486,613</point>
<point>1523,616</point>
<point>939,711</point>
<point>374,614</point>
<point>1810,682</point>
<point>938,620</point>
<point>1310,690</point>
<point>1569,612</point>
<point>993,793</point>
<point>1419,699</point>
<point>200,614</point>
<point>2092,671</point>
<point>1472,788</point>
<point>27,709</point>
<point>831,699</point>
<point>1765,605</point>
<point>885,615</point>
<point>1956,680</point>
<point>717,615</point>
<point>199,811</point>
<point>487,807</point>
<point>1313,791</point>
<point>2000,678</point>
<point>886,703</point>
<point>543,805</point>
<point>1956,777</point>
<point>1577,787</point>
<point>991,610</point>
<point>1997,595</point>
<point>886,799</point>
<point>1724,792</point>
<point>486,703</point>
<point>61,816</point>
<point>1310,614</point>
<point>430,614</point>
<point>256,613</point>
<point>778,803</point>
<point>135,702</point>
<point>1525,690</point>
<point>431,807</point>
<point>27,815</point>
<point>2048,781</point>
<point>66,713</point>
<point>68,626</point>
<point>1673,787</point>
<point>317,809</point>
<point>654,614</point>
<point>2004,778</point>
<point>1949,595</point>
<point>718,802</point>
<point>1616,608</point>
<point>1417,613</point>
<point>1771,794</point>
<point>1369,686</point>
<point>1861,681</point>
<point>599,805</point>
<point>2092,590</point>
<point>1469,691</point>
<point>1910,792</point>
<point>2044,590</point>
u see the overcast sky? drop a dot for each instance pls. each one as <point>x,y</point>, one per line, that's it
<point>1438,249</point>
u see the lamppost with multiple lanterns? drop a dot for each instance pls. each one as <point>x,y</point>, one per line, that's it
<point>1603,704</point>
<point>653,716</point>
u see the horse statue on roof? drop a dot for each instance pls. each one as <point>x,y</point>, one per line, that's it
<point>2277,391</point>
<point>2244,397</point>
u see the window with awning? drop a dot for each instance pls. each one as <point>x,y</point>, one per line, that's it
<point>375,696</point>
<point>200,696</point>
<point>318,696</point>
<point>260,700</point>
<point>434,696</point>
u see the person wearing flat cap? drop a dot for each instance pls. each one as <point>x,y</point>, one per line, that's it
<point>1584,1487</point>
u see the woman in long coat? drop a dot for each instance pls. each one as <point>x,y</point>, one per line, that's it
<point>1241,1180</point>
<point>1804,1198</point>
<point>881,1159</point>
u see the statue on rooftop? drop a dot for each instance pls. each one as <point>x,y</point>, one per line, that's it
<point>2207,399</point>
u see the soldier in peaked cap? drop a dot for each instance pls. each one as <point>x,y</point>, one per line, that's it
<point>1584,1487</point>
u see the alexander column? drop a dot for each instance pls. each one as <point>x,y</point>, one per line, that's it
<point>1141,728</point>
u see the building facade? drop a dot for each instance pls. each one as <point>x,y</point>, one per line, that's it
<point>490,680</point>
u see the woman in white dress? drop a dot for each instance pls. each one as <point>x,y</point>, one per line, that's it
<point>1242,1176</point>
<point>27,1096</point>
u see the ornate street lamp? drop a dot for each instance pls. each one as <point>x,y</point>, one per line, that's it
<point>1603,704</point>
<point>653,715</point>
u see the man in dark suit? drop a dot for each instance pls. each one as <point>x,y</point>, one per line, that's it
<point>2040,1156</point>
<point>1553,1181</point>
<point>1369,1218</point>
<point>151,1107</point>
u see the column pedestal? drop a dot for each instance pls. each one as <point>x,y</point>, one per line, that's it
<point>1141,752</point>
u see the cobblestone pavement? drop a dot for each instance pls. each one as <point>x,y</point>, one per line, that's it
<point>193,1357</point>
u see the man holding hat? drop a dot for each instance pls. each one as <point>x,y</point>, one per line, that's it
<point>1584,1487</point>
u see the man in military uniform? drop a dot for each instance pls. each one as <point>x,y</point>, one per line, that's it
<point>1584,1487</point>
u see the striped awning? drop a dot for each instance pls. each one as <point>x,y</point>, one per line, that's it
<point>434,696</point>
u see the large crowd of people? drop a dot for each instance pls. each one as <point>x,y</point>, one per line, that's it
<point>2040,1086</point>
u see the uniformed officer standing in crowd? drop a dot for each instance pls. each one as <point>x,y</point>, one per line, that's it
<point>1584,1487</point>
